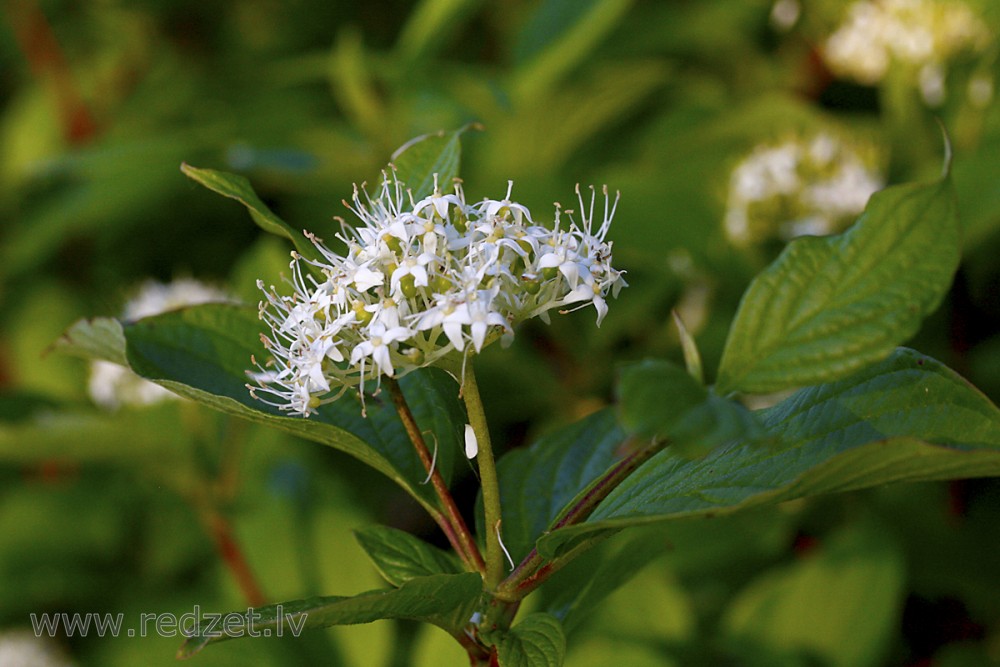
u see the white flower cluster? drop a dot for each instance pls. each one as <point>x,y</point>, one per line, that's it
<point>923,34</point>
<point>21,648</point>
<point>422,280</point>
<point>815,186</point>
<point>111,385</point>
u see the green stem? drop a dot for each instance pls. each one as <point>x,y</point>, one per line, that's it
<point>487,478</point>
<point>534,570</point>
<point>450,521</point>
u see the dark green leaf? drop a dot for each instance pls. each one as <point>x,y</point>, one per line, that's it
<point>537,482</point>
<point>654,395</point>
<point>400,556</point>
<point>418,160</point>
<point>829,306</point>
<point>446,600</point>
<point>238,188</point>
<point>432,395</point>
<point>203,353</point>
<point>537,641</point>
<point>907,418</point>
<point>97,338</point>
<point>659,399</point>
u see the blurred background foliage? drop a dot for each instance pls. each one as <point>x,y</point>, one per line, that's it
<point>159,508</point>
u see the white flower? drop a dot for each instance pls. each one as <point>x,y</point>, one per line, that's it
<point>801,186</point>
<point>112,386</point>
<point>412,266</point>
<point>921,35</point>
<point>377,347</point>
<point>154,298</point>
<point>22,648</point>
<point>422,281</point>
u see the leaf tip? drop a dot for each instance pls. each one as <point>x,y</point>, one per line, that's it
<point>191,647</point>
<point>948,152</point>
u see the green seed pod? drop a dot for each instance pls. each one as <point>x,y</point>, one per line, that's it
<point>363,316</point>
<point>408,286</point>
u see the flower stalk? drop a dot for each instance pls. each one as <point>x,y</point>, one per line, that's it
<point>487,476</point>
<point>450,521</point>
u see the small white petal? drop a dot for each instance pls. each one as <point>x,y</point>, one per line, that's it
<point>365,279</point>
<point>471,444</point>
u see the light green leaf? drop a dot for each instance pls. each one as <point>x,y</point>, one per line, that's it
<point>400,556</point>
<point>203,353</point>
<point>839,603</point>
<point>446,600</point>
<point>97,338</point>
<point>239,188</point>
<point>829,306</point>
<point>418,160</point>
<point>907,418</point>
<point>537,641</point>
<point>537,482</point>
<point>692,357</point>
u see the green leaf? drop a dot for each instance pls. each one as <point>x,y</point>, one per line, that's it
<point>446,600</point>
<point>537,482</point>
<point>692,357</point>
<point>654,395</point>
<point>400,556</point>
<point>537,641</point>
<point>559,35</point>
<point>432,395</point>
<point>418,160</point>
<point>659,399</point>
<point>239,188</point>
<point>430,25</point>
<point>839,603</point>
<point>96,338</point>
<point>907,418</point>
<point>203,353</point>
<point>829,306</point>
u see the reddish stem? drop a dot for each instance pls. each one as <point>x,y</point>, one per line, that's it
<point>533,570</point>
<point>451,522</point>
<point>45,57</point>
<point>232,555</point>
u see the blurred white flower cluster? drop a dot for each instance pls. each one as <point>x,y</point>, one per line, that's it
<point>21,648</point>
<point>421,280</point>
<point>111,385</point>
<point>923,34</point>
<point>810,186</point>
